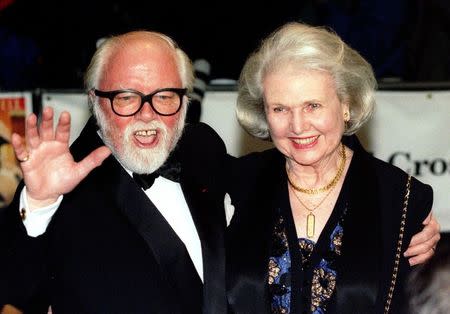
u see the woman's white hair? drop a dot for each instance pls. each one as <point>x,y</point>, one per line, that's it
<point>312,48</point>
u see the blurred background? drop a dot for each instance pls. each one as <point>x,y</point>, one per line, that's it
<point>48,43</point>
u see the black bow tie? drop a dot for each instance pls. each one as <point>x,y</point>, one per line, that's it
<point>170,170</point>
<point>145,181</point>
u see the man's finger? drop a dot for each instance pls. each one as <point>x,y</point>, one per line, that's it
<point>63,128</point>
<point>19,147</point>
<point>422,247</point>
<point>420,259</point>
<point>46,126</point>
<point>431,228</point>
<point>94,159</point>
<point>31,132</point>
<point>427,219</point>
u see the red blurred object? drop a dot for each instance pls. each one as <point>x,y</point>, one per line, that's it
<point>5,3</point>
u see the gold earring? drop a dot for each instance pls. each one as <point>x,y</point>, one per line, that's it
<point>346,117</point>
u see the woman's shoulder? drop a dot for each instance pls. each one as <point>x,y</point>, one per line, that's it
<point>259,158</point>
<point>391,174</point>
<point>393,184</point>
<point>388,174</point>
<point>255,164</point>
<point>255,167</point>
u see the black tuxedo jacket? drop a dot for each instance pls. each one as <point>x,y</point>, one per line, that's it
<point>371,229</point>
<point>108,249</point>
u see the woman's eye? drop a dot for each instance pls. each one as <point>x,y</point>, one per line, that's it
<point>278,109</point>
<point>313,106</point>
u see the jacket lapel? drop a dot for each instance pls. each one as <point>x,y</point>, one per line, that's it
<point>162,241</point>
<point>165,245</point>
<point>205,203</point>
<point>201,180</point>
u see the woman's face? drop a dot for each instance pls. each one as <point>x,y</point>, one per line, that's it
<point>304,114</point>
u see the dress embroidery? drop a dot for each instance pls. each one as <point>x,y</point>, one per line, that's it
<point>279,271</point>
<point>323,280</point>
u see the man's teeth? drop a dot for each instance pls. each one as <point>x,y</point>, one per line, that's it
<point>305,141</point>
<point>146,133</point>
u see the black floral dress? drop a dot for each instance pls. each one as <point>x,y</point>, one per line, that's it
<point>317,264</point>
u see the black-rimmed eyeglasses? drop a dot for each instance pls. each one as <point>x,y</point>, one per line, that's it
<point>128,102</point>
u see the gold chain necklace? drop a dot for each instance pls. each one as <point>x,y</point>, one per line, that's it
<point>329,185</point>
<point>311,218</point>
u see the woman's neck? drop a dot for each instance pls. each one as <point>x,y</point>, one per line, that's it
<point>319,174</point>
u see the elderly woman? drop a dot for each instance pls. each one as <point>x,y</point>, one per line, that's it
<point>321,225</point>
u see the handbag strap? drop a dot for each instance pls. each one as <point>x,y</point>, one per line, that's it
<point>399,247</point>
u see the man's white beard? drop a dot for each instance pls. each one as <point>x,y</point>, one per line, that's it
<point>133,158</point>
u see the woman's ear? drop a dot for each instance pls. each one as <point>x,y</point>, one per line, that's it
<point>346,112</point>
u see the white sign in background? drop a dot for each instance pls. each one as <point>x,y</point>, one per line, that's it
<point>75,103</point>
<point>218,110</point>
<point>412,131</point>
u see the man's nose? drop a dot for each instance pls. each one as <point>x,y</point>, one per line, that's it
<point>147,113</point>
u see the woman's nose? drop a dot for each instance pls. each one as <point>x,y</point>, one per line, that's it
<point>299,122</point>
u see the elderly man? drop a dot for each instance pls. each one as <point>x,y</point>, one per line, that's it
<point>113,246</point>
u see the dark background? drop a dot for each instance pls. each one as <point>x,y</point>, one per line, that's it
<point>48,43</point>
